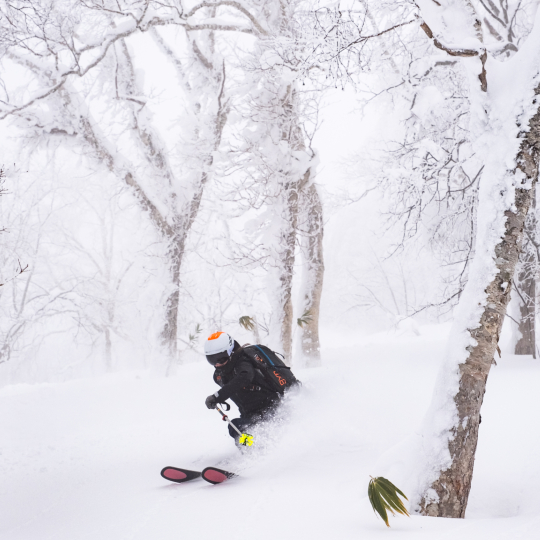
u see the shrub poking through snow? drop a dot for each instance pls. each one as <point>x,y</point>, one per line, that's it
<point>383,496</point>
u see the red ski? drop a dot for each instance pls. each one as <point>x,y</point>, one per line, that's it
<point>212,475</point>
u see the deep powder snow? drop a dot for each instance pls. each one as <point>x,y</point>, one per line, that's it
<point>81,459</point>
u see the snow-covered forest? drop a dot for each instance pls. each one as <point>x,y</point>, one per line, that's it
<point>351,183</point>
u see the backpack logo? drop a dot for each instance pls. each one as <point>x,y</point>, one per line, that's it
<point>281,380</point>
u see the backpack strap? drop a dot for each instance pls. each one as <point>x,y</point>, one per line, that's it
<point>242,347</point>
<point>272,363</point>
<point>265,355</point>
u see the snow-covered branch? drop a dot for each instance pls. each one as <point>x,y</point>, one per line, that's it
<point>82,53</point>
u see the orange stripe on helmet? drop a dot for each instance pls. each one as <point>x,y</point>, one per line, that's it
<point>215,336</point>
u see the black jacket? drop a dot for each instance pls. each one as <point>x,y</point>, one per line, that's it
<point>244,384</point>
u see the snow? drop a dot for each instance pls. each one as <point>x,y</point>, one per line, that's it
<point>81,459</point>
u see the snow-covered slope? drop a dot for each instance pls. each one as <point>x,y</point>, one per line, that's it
<point>81,459</point>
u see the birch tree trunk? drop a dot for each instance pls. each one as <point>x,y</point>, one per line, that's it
<point>526,289</point>
<point>287,257</point>
<point>289,238</point>
<point>186,214</point>
<point>449,493</point>
<point>314,275</point>
<point>285,165</point>
<point>525,286</point>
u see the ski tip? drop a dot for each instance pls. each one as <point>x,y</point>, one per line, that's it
<point>174,474</point>
<point>216,476</point>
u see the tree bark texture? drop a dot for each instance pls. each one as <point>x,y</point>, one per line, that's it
<point>314,274</point>
<point>453,485</point>
<point>292,186</point>
<point>526,344</point>
<point>287,260</point>
<point>525,286</point>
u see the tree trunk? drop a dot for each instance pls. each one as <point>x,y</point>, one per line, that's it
<point>108,350</point>
<point>185,215</point>
<point>526,288</point>
<point>453,485</point>
<point>292,133</point>
<point>169,334</point>
<point>99,147</point>
<point>287,259</point>
<point>314,274</point>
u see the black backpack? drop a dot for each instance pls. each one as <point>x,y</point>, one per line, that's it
<point>278,376</point>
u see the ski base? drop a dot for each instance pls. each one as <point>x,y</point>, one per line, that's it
<point>213,475</point>
<point>174,474</point>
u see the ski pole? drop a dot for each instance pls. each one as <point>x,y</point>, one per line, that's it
<point>245,438</point>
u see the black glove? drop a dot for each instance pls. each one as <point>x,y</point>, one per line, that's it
<point>211,401</point>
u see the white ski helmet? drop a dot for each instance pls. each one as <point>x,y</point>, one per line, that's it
<point>218,348</point>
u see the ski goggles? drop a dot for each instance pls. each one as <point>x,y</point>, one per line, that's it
<point>218,358</point>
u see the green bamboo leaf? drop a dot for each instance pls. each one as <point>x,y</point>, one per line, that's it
<point>306,318</point>
<point>392,505</point>
<point>247,322</point>
<point>391,498</point>
<point>391,486</point>
<point>395,509</point>
<point>383,496</point>
<point>377,503</point>
<point>193,337</point>
<point>388,492</point>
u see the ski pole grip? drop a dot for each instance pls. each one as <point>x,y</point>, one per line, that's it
<point>226,406</point>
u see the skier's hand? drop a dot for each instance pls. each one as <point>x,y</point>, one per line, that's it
<point>211,401</point>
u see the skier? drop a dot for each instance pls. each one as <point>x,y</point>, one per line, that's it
<point>240,381</point>
<point>255,379</point>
